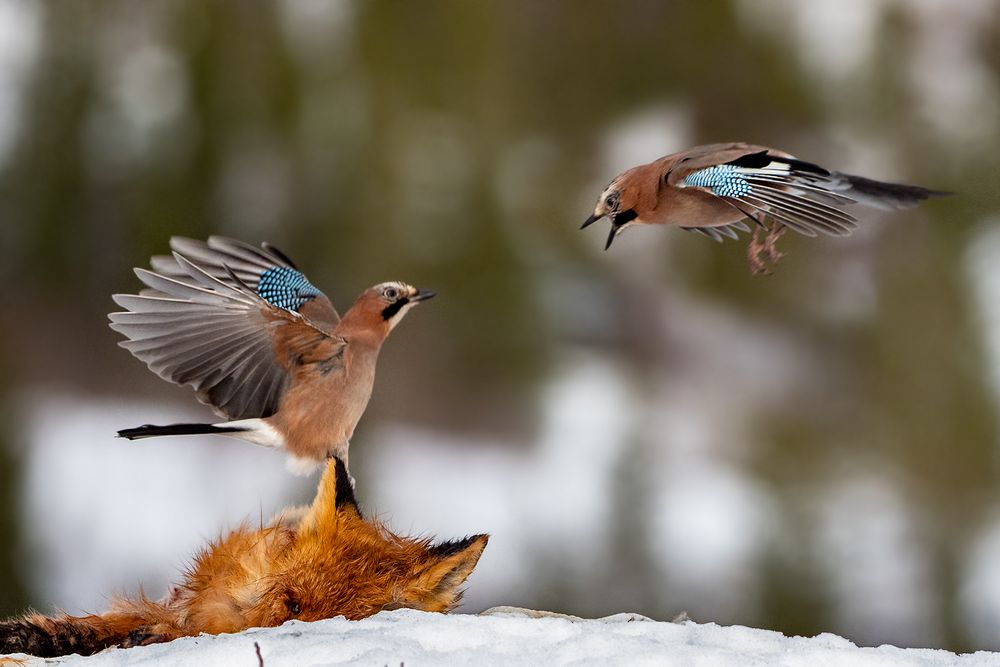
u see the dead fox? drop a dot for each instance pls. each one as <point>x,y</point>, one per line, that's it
<point>311,563</point>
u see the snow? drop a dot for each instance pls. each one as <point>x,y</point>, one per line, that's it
<point>508,636</point>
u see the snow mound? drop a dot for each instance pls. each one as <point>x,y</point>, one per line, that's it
<point>514,637</point>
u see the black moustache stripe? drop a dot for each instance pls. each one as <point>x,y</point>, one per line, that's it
<point>390,311</point>
<point>625,217</point>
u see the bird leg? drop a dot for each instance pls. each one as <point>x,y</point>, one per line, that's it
<point>762,251</point>
<point>758,265</point>
<point>770,243</point>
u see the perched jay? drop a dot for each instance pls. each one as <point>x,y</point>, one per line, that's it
<point>259,344</point>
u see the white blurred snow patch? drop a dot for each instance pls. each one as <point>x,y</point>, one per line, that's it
<point>553,498</point>
<point>434,484</point>
<point>730,365</point>
<point>870,547</point>
<point>588,411</point>
<point>980,586</point>
<point>20,32</point>
<point>414,638</point>
<point>710,525</point>
<point>149,88</point>
<point>104,515</point>
<point>142,92</point>
<point>646,135</point>
<point>20,24</point>
<point>956,91</point>
<point>833,38</point>
<point>316,30</point>
<point>711,521</point>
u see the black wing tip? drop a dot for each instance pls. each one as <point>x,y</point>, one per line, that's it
<point>756,160</point>
<point>761,159</point>
<point>279,254</point>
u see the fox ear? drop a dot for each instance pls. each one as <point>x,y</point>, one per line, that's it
<point>343,486</point>
<point>451,564</point>
<point>334,496</point>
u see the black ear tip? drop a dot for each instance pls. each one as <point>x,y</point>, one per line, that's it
<point>345,490</point>
<point>453,547</point>
<point>338,464</point>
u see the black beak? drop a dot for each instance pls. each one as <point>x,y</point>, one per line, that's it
<point>423,295</point>
<point>591,220</point>
<point>612,234</point>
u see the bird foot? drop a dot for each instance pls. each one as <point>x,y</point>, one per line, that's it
<point>755,248</point>
<point>762,251</point>
<point>770,243</point>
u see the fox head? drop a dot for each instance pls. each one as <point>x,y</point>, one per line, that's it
<point>334,563</point>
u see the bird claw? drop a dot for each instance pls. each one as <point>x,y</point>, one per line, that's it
<point>770,243</point>
<point>762,251</point>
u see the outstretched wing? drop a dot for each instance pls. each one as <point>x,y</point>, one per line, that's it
<point>758,181</point>
<point>265,270</point>
<point>229,320</point>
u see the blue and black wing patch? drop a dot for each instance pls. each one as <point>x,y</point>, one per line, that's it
<point>286,288</point>
<point>264,271</point>
<point>799,195</point>
<point>724,180</point>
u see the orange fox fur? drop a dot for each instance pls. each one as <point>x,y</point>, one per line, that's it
<point>311,563</point>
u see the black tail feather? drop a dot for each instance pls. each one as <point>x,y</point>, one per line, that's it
<point>152,430</point>
<point>895,195</point>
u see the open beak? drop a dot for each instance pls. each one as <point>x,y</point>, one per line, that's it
<point>615,228</point>
<point>423,295</point>
<point>591,220</point>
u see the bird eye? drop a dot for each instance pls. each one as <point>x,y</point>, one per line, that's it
<point>612,201</point>
<point>391,293</point>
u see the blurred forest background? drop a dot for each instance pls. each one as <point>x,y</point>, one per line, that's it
<point>648,429</point>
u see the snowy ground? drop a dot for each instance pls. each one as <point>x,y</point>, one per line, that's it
<point>414,638</point>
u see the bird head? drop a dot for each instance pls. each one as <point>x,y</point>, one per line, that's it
<point>617,202</point>
<point>380,308</point>
<point>394,299</point>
